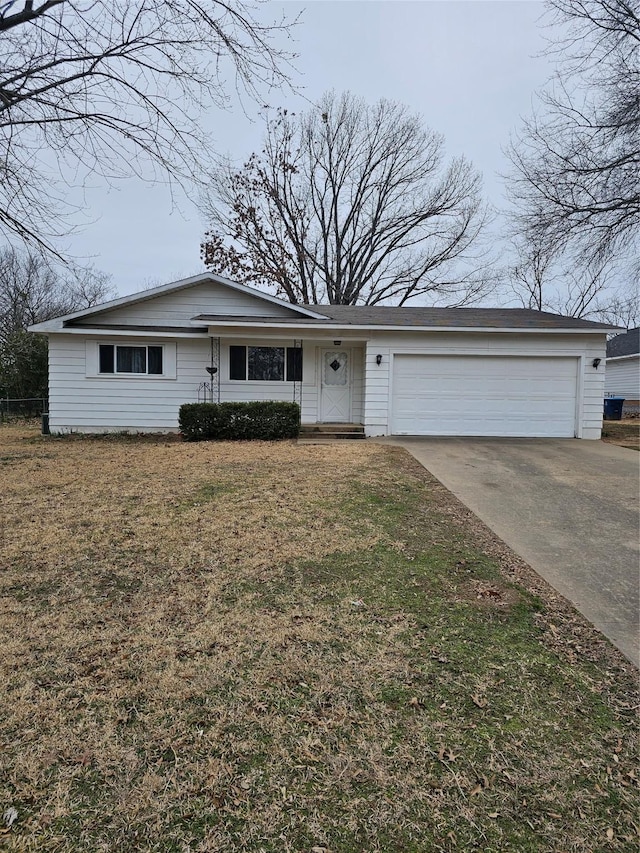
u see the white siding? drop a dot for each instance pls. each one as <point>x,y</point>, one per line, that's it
<point>88,403</point>
<point>310,386</point>
<point>622,378</point>
<point>176,309</point>
<point>585,347</point>
<point>80,400</point>
<point>377,384</point>
<point>357,387</point>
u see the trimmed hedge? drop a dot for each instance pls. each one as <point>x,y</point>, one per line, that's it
<point>239,421</point>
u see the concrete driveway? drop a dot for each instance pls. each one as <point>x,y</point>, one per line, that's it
<point>569,508</point>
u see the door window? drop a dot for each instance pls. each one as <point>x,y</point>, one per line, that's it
<point>336,366</point>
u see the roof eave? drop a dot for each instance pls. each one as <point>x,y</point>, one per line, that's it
<point>622,357</point>
<point>47,326</point>
<point>126,332</point>
<point>334,325</point>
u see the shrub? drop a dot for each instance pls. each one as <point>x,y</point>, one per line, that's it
<point>239,421</point>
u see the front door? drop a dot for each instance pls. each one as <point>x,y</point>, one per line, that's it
<point>335,391</point>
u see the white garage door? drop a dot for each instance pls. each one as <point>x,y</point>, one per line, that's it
<point>484,395</point>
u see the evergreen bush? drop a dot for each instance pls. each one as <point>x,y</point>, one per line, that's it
<point>266,421</point>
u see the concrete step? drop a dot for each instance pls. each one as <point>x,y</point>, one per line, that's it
<point>318,441</point>
<point>331,427</point>
<point>328,438</point>
<point>331,432</point>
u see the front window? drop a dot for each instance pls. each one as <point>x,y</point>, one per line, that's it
<point>131,359</point>
<point>265,364</point>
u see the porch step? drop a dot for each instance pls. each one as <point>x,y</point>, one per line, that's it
<point>321,432</point>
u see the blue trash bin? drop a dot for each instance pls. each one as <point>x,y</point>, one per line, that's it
<point>613,408</point>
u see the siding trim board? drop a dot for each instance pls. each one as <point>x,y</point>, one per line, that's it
<point>297,326</point>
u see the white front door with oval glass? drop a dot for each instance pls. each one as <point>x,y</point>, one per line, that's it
<point>335,387</point>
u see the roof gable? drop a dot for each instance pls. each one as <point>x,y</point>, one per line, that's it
<point>178,302</point>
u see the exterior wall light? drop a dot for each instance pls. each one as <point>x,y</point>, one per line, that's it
<point>378,359</point>
<point>337,343</point>
<point>596,362</point>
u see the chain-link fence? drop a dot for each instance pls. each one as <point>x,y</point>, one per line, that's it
<point>24,407</point>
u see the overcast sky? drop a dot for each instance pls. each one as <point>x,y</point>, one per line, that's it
<point>470,68</point>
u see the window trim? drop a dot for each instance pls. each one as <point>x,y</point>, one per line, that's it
<point>116,347</point>
<point>285,380</point>
<point>169,359</point>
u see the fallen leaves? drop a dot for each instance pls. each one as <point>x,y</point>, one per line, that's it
<point>9,817</point>
<point>447,755</point>
<point>479,701</point>
<point>213,674</point>
<point>483,784</point>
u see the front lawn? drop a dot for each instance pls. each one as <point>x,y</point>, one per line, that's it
<point>626,433</point>
<point>275,647</point>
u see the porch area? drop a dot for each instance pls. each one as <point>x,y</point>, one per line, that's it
<point>325,378</point>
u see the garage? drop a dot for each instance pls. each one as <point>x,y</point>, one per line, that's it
<point>518,396</point>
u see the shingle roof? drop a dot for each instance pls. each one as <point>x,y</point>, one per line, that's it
<point>500,318</point>
<point>486,318</point>
<point>626,344</point>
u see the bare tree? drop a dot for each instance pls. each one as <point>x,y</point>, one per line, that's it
<point>114,89</point>
<point>575,183</point>
<point>531,277</point>
<point>621,311</point>
<point>348,203</point>
<point>33,290</point>
<point>539,280</point>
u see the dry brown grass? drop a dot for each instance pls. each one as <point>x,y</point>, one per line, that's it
<point>625,433</point>
<point>273,647</point>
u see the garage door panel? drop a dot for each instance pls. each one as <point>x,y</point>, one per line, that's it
<point>484,395</point>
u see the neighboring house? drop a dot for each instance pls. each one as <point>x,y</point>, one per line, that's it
<point>622,377</point>
<point>129,364</point>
